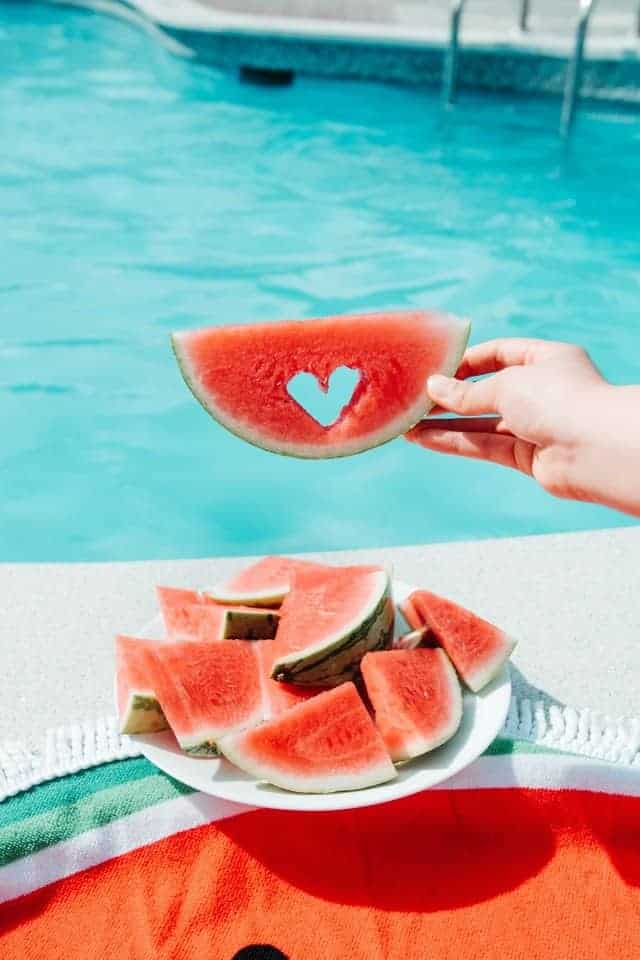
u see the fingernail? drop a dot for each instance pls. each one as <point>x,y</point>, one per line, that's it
<point>438,386</point>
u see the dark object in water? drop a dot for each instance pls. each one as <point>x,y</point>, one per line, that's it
<point>266,76</point>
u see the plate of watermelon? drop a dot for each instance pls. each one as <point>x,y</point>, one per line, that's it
<point>301,686</point>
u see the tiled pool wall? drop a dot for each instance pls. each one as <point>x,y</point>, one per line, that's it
<point>500,67</point>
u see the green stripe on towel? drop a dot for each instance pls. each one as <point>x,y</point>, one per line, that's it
<point>73,787</point>
<point>501,747</point>
<point>51,826</point>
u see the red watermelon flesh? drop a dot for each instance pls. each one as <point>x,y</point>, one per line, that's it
<point>207,690</point>
<point>277,696</point>
<point>416,698</point>
<point>240,375</point>
<point>477,648</point>
<point>263,584</point>
<point>138,707</point>
<point>177,609</point>
<point>327,744</point>
<point>330,618</point>
<point>189,615</point>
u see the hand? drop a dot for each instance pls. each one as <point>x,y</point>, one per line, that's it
<point>556,419</point>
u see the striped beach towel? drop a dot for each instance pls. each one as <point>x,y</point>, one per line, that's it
<point>528,853</point>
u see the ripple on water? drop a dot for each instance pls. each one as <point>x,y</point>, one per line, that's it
<point>142,193</point>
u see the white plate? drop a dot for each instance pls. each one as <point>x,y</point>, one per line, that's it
<point>482,719</point>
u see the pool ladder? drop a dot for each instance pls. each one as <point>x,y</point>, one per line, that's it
<point>574,66</point>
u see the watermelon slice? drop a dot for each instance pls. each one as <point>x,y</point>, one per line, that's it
<point>176,607</point>
<point>138,707</point>
<point>329,743</point>
<point>263,584</point>
<point>277,696</point>
<point>240,375</point>
<point>189,615</point>
<point>416,698</point>
<point>477,648</point>
<point>207,690</point>
<point>330,618</point>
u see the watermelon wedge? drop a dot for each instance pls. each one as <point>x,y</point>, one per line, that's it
<point>327,744</point>
<point>330,618</point>
<point>176,607</point>
<point>138,707</point>
<point>477,648</point>
<point>240,375</point>
<point>416,698</point>
<point>263,584</point>
<point>189,615</point>
<point>207,690</point>
<point>277,696</point>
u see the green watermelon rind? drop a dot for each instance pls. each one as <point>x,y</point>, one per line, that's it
<point>143,714</point>
<point>397,428</point>
<point>332,661</point>
<point>204,748</point>
<point>260,624</point>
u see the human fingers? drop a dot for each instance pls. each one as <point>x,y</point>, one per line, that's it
<point>467,398</point>
<point>497,354</point>
<point>462,424</point>
<point>505,450</point>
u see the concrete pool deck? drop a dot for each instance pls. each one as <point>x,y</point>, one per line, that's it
<point>572,600</point>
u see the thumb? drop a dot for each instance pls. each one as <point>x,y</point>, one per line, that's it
<point>466,397</point>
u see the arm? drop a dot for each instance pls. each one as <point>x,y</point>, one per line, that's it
<point>555,418</point>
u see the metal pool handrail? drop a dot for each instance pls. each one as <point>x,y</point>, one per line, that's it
<point>450,67</point>
<point>525,10</point>
<point>574,68</point>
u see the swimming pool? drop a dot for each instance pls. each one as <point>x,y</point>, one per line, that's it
<point>141,193</point>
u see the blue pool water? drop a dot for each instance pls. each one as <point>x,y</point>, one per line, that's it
<point>140,193</point>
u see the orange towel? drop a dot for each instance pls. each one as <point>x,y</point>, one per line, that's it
<point>525,855</point>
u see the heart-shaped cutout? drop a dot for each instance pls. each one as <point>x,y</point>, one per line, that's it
<point>324,406</point>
